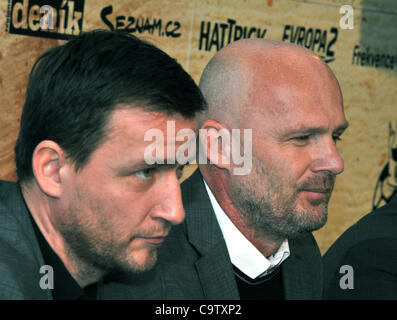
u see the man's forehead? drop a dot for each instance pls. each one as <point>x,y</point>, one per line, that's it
<point>287,114</point>
<point>132,113</point>
<point>138,120</point>
<point>284,64</point>
<point>133,134</point>
<point>289,95</point>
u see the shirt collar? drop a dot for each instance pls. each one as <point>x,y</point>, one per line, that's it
<point>243,254</point>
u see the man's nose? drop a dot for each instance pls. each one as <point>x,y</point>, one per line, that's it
<point>327,158</point>
<point>169,205</point>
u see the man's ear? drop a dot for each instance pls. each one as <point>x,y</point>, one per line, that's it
<point>47,161</point>
<point>215,142</point>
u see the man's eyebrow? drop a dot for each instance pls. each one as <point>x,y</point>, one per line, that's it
<point>317,130</point>
<point>143,165</point>
<point>306,130</point>
<point>342,127</point>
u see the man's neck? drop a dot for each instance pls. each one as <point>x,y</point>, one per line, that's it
<point>217,183</point>
<point>40,208</point>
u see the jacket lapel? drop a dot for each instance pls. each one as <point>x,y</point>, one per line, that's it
<point>213,267</point>
<point>302,271</point>
<point>216,275</point>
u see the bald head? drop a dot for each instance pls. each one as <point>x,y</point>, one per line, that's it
<point>256,73</point>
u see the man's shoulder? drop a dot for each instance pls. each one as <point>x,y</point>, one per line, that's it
<point>11,209</point>
<point>8,207</point>
<point>19,257</point>
<point>7,191</point>
<point>7,187</point>
<point>19,272</point>
<point>368,249</point>
<point>378,224</point>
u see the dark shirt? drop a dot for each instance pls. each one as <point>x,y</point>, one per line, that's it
<point>65,286</point>
<point>268,287</point>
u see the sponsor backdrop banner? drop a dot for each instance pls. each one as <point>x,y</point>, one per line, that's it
<point>357,38</point>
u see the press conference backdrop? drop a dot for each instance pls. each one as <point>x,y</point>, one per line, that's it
<point>358,42</point>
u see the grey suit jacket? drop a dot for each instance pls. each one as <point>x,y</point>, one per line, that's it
<point>194,263</point>
<point>20,256</point>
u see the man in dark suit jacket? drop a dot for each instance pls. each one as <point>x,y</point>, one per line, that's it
<point>362,263</point>
<point>247,233</point>
<point>83,207</point>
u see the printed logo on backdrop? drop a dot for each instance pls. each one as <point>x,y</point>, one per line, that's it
<point>216,35</point>
<point>140,25</point>
<point>386,186</point>
<point>320,41</point>
<point>45,18</point>
<point>367,57</point>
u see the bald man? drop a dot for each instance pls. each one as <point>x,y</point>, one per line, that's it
<point>247,233</point>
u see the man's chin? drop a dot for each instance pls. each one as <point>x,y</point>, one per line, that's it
<point>312,216</point>
<point>317,219</point>
<point>305,228</point>
<point>136,263</point>
<point>142,261</point>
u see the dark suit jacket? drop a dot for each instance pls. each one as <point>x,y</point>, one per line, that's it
<point>370,248</point>
<point>194,263</point>
<point>20,256</point>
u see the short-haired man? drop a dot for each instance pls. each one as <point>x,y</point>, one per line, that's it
<point>84,205</point>
<point>247,233</point>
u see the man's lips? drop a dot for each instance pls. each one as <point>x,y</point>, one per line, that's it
<point>317,193</point>
<point>154,239</point>
<point>318,190</point>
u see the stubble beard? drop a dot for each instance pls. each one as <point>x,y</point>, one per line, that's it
<point>91,252</point>
<point>274,216</point>
<point>91,248</point>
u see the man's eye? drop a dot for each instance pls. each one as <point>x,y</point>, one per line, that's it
<point>302,138</point>
<point>301,141</point>
<point>145,174</point>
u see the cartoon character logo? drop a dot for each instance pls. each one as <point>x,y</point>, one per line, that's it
<point>386,186</point>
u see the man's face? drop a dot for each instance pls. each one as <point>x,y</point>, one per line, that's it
<point>295,159</point>
<point>117,209</point>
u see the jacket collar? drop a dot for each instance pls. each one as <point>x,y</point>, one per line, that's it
<point>202,227</point>
<point>204,234</point>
